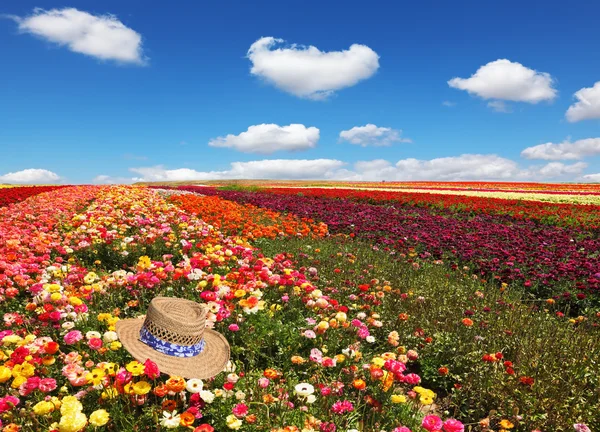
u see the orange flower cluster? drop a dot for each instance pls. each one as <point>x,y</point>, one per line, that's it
<point>246,220</point>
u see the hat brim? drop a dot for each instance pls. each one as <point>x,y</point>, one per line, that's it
<point>210,362</point>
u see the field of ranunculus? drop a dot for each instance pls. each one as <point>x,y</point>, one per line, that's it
<point>342,313</point>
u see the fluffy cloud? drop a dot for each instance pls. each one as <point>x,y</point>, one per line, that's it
<point>587,105</point>
<point>506,80</point>
<point>595,178</point>
<point>260,169</point>
<point>308,72</point>
<point>463,167</point>
<point>31,175</point>
<point>559,169</point>
<point>563,151</point>
<point>372,135</point>
<point>100,36</point>
<point>269,138</point>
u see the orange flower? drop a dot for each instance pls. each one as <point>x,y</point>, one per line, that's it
<point>297,360</point>
<point>403,317</point>
<point>186,419</point>
<point>175,384</point>
<point>467,322</point>
<point>11,428</point>
<point>271,373</point>
<point>169,405</point>
<point>268,398</point>
<point>359,384</point>
<point>251,419</point>
<point>443,371</point>
<point>160,390</point>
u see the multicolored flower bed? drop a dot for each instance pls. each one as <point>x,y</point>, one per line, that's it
<point>75,261</point>
<point>13,194</point>
<point>548,261</point>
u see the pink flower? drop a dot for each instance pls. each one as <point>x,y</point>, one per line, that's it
<point>151,369</point>
<point>581,427</point>
<point>73,337</point>
<point>123,376</point>
<point>28,386</point>
<point>240,410</point>
<point>234,327</point>
<point>452,425</point>
<point>341,407</point>
<point>263,382</point>
<point>412,379</point>
<point>310,334</point>
<point>8,402</point>
<point>95,343</point>
<point>432,423</point>
<point>401,429</point>
<point>47,385</point>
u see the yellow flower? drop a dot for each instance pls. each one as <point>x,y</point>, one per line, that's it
<point>74,422</point>
<point>398,399</point>
<point>425,400</point>
<point>240,293</point>
<point>136,368</point>
<point>70,405</point>
<point>141,388</point>
<point>233,422</point>
<point>506,424</point>
<point>18,381</point>
<point>109,393</point>
<point>56,296</point>
<point>115,345</point>
<point>95,377</point>
<point>5,374</point>
<point>99,418</point>
<point>378,361</point>
<point>43,408</point>
<point>25,370</point>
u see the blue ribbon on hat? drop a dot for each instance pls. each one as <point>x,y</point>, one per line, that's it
<point>169,348</point>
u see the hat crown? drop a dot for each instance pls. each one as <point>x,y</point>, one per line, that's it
<point>177,321</point>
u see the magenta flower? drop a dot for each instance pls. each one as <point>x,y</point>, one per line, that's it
<point>432,423</point>
<point>452,425</point>
<point>73,337</point>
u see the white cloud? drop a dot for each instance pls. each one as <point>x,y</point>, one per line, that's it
<point>559,169</point>
<point>463,167</point>
<point>372,135</point>
<point>260,169</point>
<point>506,80</point>
<point>269,138</point>
<point>100,36</point>
<point>106,179</point>
<point>31,175</point>
<point>587,105</point>
<point>308,72</point>
<point>595,178</point>
<point>565,150</point>
<point>499,106</point>
<point>449,104</point>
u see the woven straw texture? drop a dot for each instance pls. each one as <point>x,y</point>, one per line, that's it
<point>182,322</point>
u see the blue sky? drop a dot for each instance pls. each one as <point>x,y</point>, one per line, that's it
<point>87,97</point>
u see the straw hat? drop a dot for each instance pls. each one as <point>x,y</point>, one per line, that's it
<point>173,335</point>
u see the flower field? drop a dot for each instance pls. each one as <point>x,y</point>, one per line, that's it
<point>342,313</point>
<point>9,195</point>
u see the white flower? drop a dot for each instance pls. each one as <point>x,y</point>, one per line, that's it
<point>170,420</point>
<point>194,385</point>
<point>110,336</point>
<point>233,378</point>
<point>304,389</point>
<point>207,396</point>
<point>370,339</point>
<point>93,335</point>
<point>230,367</point>
<point>311,398</point>
<point>68,325</point>
<point>240,395</point>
